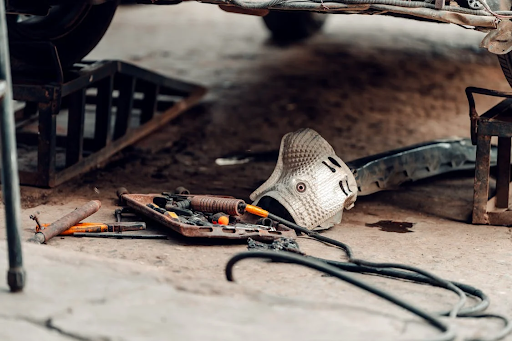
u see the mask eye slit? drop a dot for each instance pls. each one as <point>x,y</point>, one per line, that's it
<point>348,187</point>
<point>332,169</point>
<point>334,162</point>
<point>343,188</point>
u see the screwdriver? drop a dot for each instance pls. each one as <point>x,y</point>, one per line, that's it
<point>102,227</point>
<point>171,215</point>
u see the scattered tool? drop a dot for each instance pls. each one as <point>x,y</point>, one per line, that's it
<point>64,223</point>
<point>196,220</point>
<point>120,235</point>
<point>250,227</point>
<point>280,244</point>
<point>265,222</point>
<point>173,205</point>
<point>122,212</point>
<point>217,205</point>
<point>160,210</point>
<point>219,219</point>
<point>181,190</point>
<point>35,217</point>
<point>103,227</point>
<point>201,203</point>
<point>235,207</point>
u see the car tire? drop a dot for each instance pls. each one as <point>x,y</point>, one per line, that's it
<point>75,29</point>
<point>292,25</point>
<point>506,66</point>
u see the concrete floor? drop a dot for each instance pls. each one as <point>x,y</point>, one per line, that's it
<point>367,84</point>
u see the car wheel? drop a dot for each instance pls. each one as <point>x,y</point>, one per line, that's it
<point>506,66</point>
<point>292,25</point>
<point>75,28</point>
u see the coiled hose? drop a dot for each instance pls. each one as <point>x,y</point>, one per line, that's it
<point>392,270</point>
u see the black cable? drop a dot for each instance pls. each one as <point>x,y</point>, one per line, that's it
<point>457,310</point>
<point>427,277</point>
<point>348,251</point>
<point>316,235</point>
<point>416,278</point>
<point>447,332</point>
<point>442,282</point>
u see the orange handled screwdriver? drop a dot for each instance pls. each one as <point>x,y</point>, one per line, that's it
<point>102,227</point>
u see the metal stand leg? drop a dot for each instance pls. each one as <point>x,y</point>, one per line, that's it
<point>10,180</point>
<point>481,193</point>
<point>503,179</point>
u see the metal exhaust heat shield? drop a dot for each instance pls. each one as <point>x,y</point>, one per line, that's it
<point>310,181</point>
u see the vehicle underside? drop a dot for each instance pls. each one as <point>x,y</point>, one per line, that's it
<point>74,27</point>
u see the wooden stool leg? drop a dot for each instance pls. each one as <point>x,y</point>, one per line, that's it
<point>503,180</point>
<point>481,192</point>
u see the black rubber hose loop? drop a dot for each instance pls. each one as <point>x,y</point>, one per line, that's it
<point>447,332</point>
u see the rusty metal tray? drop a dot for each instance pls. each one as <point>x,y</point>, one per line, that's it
<point>138,203</point>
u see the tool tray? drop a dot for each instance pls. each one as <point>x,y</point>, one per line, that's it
<point>138,203</point>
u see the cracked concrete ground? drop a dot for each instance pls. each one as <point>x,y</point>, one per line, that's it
<point>367,84</point>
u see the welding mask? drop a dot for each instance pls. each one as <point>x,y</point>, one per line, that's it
<point>310,185</point>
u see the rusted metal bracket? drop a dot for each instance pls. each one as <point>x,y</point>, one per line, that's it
<point>495,122</point>
<point>88,93</point>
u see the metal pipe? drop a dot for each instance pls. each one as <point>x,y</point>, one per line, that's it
<point>66,222</point>
<point>119,235</point>
<point>10,180</point>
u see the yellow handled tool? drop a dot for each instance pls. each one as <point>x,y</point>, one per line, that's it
<point>102,227</point>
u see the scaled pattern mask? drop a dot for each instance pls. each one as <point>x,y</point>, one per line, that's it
<point>310,181</point>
